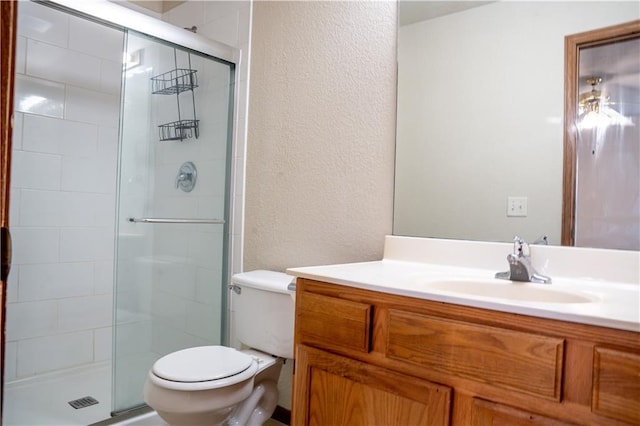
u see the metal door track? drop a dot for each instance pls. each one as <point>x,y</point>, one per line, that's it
<point>84,402</point>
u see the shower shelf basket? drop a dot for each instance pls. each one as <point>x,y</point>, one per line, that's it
<point>179,130</point>
<point>175,82</point>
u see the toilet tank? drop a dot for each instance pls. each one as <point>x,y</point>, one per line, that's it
<point>262,311</point>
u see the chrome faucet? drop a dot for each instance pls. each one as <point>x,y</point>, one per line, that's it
<point>520,268</point>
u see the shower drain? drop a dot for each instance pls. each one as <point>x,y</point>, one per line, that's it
<point>83,402</point>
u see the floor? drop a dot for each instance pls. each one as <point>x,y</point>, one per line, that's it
<point>152,419</point>
<point>44,400</point>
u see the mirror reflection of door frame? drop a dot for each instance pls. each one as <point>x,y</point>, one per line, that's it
<point>572,45</point>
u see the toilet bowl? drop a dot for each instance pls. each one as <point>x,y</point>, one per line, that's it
<point>215,385</point>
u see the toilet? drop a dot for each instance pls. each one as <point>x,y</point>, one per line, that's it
<point>219,385</point>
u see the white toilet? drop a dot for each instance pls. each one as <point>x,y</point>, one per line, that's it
<point>216,385</point>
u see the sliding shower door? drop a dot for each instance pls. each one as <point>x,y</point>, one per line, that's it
<point>173,208</point>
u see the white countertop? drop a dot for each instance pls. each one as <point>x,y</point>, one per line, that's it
<point>601,302</point>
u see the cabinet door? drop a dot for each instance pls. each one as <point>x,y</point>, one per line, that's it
<point>334,390</point>
<point>616,384</point>
<point>486,413</point>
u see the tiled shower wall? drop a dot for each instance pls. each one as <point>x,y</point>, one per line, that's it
<point>228,22</point>
<point>59,299</point>
<point>64,182</point>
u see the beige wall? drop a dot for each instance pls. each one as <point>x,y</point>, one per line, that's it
<point>320,150</point>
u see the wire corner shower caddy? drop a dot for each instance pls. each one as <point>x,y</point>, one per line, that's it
<point>175,82</point>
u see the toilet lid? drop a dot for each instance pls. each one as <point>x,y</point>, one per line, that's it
<point>200,364</point>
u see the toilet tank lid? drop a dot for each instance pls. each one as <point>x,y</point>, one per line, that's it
<point>264,280</point>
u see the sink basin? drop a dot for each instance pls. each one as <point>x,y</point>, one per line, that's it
<point>508,290</point>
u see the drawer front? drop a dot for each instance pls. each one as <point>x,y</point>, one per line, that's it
<point>332,322</point>
<point>616,384</point>
<point>525,362</point>
<point>487,413</point>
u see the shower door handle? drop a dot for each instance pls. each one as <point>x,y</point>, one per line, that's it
<point>6,253</point>
<point>171,220</point>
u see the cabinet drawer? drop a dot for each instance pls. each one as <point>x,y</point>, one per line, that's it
<point>487,413</point>
<point>522,361</point>
<point>616,384</point>
<point>332,322</point>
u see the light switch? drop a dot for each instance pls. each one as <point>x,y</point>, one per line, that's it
<point>516,206</point>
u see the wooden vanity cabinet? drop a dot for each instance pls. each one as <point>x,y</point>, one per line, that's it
<point>371,358</point>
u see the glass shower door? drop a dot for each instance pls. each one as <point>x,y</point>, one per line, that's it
<point>173,208</point>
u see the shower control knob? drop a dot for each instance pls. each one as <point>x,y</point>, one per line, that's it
<point>187,176</point>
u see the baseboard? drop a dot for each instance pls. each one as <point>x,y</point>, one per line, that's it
<point>282,415</point>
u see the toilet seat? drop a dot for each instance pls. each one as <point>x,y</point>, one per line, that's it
<point>203,367</point>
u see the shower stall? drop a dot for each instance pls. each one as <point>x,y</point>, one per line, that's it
<point>120,207</point>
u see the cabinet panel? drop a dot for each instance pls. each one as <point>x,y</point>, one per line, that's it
<point>486,413</point>
<point>616,384</point>
<point>526,362</point>
<point>333,322</point>
<point>339,391</point>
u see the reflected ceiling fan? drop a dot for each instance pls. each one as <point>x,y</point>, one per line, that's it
<point>595,109</point>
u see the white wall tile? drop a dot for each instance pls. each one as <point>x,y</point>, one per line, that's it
<point>224,30</point>
<point>53,208</point>
<point>79,139</point>
<point>204,321</point>
<point>244,23</point>
<point>110,77</point>
<point>10,361</point>
<point>14,206</point>
<point>177,206</point>
<point>83,313</point>
<point>21,54</point>
<point>38,96</point>
<point>85,245</point>
<point>91,107</point>
<point>16,137</point>
<point>208,286</point>
<point>35,245</point>
<point>167,307</point>
<point>31,319</point>
<point>41,134</point>
<point>133,338</point>
<point>95,175</point>
<point>63,65</point>
<point>103,277</point>
<point>35,171</point>
<point>205,248</point>
<point>170,242</point>
<point>57,280</point>
<point>175,279</point>
<point>102,344</point>
<point>95,39</point>
<point>62,351</point>
<point>210,207</point>
<point>187,14</point>
<point>221,9</point>
<point>13,284</point>
<point>43,23</point>
<point>104,210</point>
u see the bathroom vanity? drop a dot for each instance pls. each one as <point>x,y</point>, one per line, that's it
<point>372,349</point>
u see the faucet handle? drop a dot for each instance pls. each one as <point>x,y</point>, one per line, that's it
<point>520,247</point>
<point>542,240</point>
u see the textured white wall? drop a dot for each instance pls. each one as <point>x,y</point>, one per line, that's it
<point>320,150</point>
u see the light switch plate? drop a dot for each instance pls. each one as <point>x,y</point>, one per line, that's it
<point>516,206</point>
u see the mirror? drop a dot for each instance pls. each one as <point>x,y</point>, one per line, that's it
<point>601,186</point>
<point>479,145</point>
